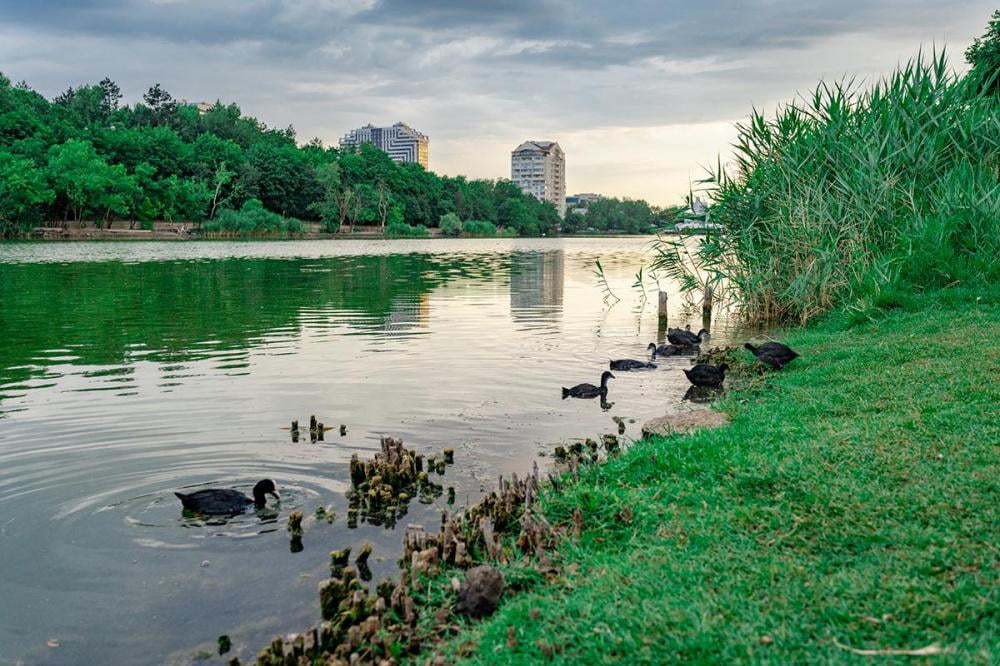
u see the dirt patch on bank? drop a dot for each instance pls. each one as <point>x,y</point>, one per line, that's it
<point>684,422</point>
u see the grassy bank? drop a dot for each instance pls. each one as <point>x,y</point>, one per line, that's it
<point>851,503</point>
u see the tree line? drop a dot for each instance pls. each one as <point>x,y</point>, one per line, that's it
<point>626,216</point>
<point>85,156</point>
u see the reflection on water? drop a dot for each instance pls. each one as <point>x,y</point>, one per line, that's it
<point>128,371</point>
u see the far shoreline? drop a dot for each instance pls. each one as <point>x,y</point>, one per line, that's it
<point>186,232</point>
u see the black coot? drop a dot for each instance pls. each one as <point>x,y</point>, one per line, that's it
<point>683,338</point>
<point>626,364</point>
<point>227,502</point>
<point>775,354</point>
<point>664,350</point>
<point>589,390</point>
<point>705,374</point>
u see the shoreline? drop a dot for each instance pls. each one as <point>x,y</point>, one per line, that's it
<point>846,507</point>
<point>187,232</point>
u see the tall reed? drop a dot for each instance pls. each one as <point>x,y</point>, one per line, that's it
<point>850,190</point>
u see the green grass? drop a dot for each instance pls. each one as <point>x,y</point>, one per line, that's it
<point>853,499</point>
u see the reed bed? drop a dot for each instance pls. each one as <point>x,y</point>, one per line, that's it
<point>853,194</point>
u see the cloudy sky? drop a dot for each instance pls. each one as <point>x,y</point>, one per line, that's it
<point>640,94</point>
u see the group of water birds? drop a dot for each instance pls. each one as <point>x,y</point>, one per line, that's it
<point>683,341</point>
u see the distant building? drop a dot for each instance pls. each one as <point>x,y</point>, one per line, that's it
<point>539,169</point>
<point>202,107</point>
<point>401,142</point>
<point>580,202</point>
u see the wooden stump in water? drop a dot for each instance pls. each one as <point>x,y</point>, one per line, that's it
<point>706,304</point>
<point>661,310</point>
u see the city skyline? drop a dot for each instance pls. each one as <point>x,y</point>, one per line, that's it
<point>641,99</point>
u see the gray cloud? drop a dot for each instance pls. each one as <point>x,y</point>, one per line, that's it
<point>470,73</point>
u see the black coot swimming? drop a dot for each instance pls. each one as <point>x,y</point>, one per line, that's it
<point>775,354</point>
<point>705,374</point>
<point>589,390</point>
<point>228,502</point>
<point>684,338</point>
<point>664,350</point>
<point>626,364</point>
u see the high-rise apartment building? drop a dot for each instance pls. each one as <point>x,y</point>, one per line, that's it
<point>401,142</point>
<point>539,169</point>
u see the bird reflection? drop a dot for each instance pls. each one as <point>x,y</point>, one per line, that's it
<point>605,405</point>
<point>702,394</point>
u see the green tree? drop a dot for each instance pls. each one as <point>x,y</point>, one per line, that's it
<point>146,204</point>
<point>328,207</point>
<point>78,175</point>
<point>111,96</point>
<point>161,104</point>
<point>23,194</point>
<point>184,200</point>
<point>515,214</point>
<point>87,103</point>
<point>984,56</point>
<point>116,194</point>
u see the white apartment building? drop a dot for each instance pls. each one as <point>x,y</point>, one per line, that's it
<point>401,142</point>
<point>539,169</point>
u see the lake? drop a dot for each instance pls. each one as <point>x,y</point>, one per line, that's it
<point>130,370</point>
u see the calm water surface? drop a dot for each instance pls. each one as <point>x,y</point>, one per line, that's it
<point>130,370</point>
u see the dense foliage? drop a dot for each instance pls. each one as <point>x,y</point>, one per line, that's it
<point>855,193</point>
<point>984,56</point>
<point>609,214</point>
<point>84,156</point>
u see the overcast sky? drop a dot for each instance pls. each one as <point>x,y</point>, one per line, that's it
<point>639,94</point>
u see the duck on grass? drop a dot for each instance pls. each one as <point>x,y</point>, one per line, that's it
<point>774,354</point>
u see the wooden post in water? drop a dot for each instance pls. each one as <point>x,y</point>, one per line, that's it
<point>706,308</point>
<point>661,317</point>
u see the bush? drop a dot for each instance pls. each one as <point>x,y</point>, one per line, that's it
<point>450,225</point>
<point>403,230</point>
<point>252,219</point>
<point>479,228</point>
